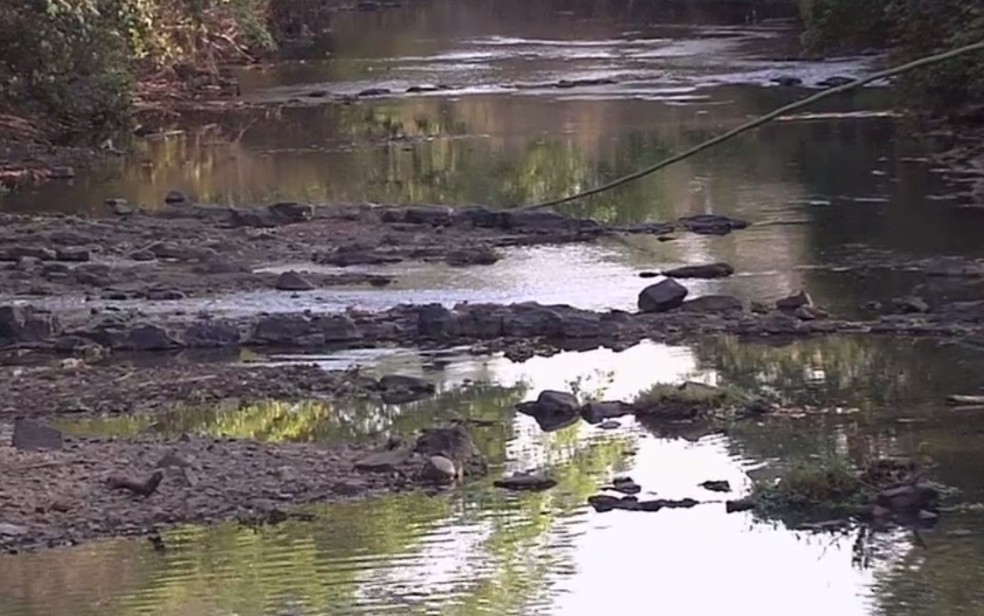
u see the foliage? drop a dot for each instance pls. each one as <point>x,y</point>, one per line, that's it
<point>913,28</point>
<point>828,482</point>
<point>74,61</point>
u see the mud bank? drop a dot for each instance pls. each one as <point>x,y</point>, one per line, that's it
<point>93,488</point>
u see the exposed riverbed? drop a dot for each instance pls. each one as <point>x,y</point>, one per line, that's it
<point>504,109</point>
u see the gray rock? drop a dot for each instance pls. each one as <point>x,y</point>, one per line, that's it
<point>794,301</point>
<point>455,444</point>
<point>281,329</point>
<point>711,224</point>
<point>662,296</point>
<point>708,270</point>
<point>142,255</point>
<point>716,486</point>
<point>609,424</point>
<point>61,173</point>
<point>552,410</point>
<point>436,322</point>
<point>32,436</point>
<point>74,255</point>
<point>909,498</point>
<point>173,459</point>
<point>179,252</point>
<point>120,207</point>
<point>338,328</point>
<point>809,313</point>
<point>174,197</point>
<point>625,485</point>
<point>712,303</point>
<point>291,211</point>
<point>597,412</point>
<point>439,469</point>
<point>162,295</point>
<point>384,460</point>
<point>526,483</point>
<point>147,337</point>
<point>402,381</point>
<point>211,334</point>
<point>742,504</point>
<point>476,255</point>
<point>787,81</point>
<point>12,530</point>
<point>25,324</point>
<point>292,281</point>
<point>16,253</point>
<point>910,305</point>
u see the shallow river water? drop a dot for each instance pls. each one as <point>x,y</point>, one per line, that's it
<point>819,185</point>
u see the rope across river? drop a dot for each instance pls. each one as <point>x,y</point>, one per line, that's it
<point>898,70</point>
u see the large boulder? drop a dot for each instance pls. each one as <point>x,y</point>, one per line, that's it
<point>281,329</point>
<point>25,324</point>
<point>436,322</point>
<point>662,296</point>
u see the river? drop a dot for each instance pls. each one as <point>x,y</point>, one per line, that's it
<point>847,178</point>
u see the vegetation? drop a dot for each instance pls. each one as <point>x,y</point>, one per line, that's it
<point>814,489</point>
<point>75,62</point>
<point>912,28</point>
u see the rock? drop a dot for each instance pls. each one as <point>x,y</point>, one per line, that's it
<point>147,337</point>
<point>809,313</point>
<point>964,400</point>
<point>712,303</point>
<point>791,303</point>
<point>33,436</point>
<point>711,224</point>
<point>709,270</point>
<point>716,486</point>
<point>742,504</point>
<point>211,335</point>
<point>552,410</point>
<point>292,281</point>
<point>787,81</point>
<point>910,305</point>
<point>760,307</point>
<point>439,469</point>
<point>338,328</point>
<point>281,329</point>
<point>625,485</point>
<point>164,295</point>
<point>455,444</point>
<point>605,502</point>
<point>909,498</point>
<point>436,215</point>
<point>75,255</point>
<point>19,324</point>
<point>217,265</point>
<point>61,173</point>
<point>179,252</point>
<point>141,487</point>
<point>609,424</point>
<point>649,274</point>
<point>17,253</point>
<point>526,483</point>
<point>835,81</point>
<point>173,459</point>
<point>174,197</point>
<point>292,211</point>
<point>12,530</point>
<point>402,381</point>
<point>384,460</point>
<point>142,255</point>
<point>120,207</point>
<point>436,322</point>
<point>597,412</point>
<point>374,92</point>
<point>662,296</point>
<point>476,255</point>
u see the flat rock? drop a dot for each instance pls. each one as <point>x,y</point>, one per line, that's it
<point>292,281</point>
<point>716,486</point>
<point>662,296</point>
<point>12,530</point>
<point>528,483</point>
<point>707,270</point>
<point>625,485</point>
<point>742,504</point>
<point>384,460</point>
<point>794,301</point>
<point>33,436</point>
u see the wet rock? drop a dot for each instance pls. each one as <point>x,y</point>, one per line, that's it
<point>33,436</point>
<point>525,321</point>
<point>437,216</point>
<point>174,197</point>
<point>597,412</point>
<point>61,173</point>
<point>708,270</point>
<point>292,211</point>
<point>20,324</point>
<point>480,321</point>
<point>909,498</point>
<point>605,502</point>
<point>120,207</point>
<point>374,92</point>
<point>794,301</point>
<point>649,274</point>
<point>965,400</point>
<point>552,410</point>
<point>74,255</point>
<point>281,329</point>
<point>716,486</point>
<point>625,485</point>
<point>910,305</point>
<point>403,381</point>
<point>164,295</point>
<point>147,337</point>
<point>476,255</point>
<point>526,483</point>
<point>609,424</point>
<point>662,296</point>
<point>13,530</point>
<point>344,256</point>
<point>16,253</point>
<point>787,81</point>
<point>211,334</point>
<point>712,303</point>
<point>742,504</point>
<point>456,444</point>
<point>711,224</point>
<point>338,328</point>
<point>809,313</point>
<point>835,81</point>
<point>292,281</point>
<point>758,307</point>
<point>423,88</point>
<point>440,470</point>
<point>384,461</point>
<point>317,93</point>
<point>436,322</point>
<point>577,83</point>
<point>142,255</point>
